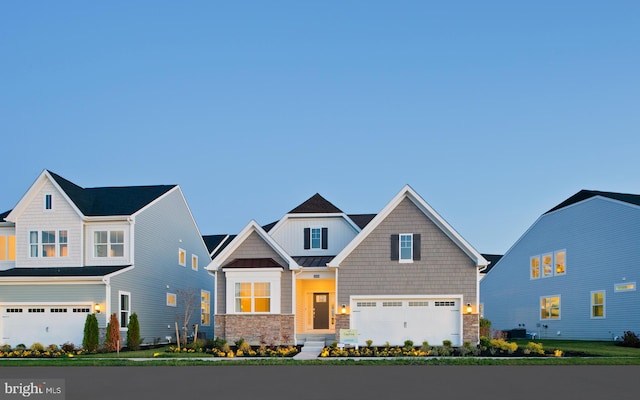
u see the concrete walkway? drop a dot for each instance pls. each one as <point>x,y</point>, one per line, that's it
<point>310,350</point>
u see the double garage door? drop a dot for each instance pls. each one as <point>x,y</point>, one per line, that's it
<point>45,324</point>
<point>396,320</point>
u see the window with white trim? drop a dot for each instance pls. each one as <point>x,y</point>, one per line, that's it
<point>548,264</point>
<point>624,287</point>
<point>48,201</point>
<point>172,300</point>
<point>8,248</point>
<point>253,297</point>
<point>49,243</point>
<point>406,247</point>
<point>108,243</point>
<point>182,257</point>
<point>124,305</point>
<point>550,307</point>
<point>194,262</point>
<point>597,304</point>
<point>205,307</point>
<point>316,238</point>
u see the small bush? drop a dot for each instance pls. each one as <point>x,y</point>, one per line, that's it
<point>503,345</point>
<point>68,347</point>
<point>446,343</point>
<point>630,339</point>
<point>425,346</point>
<point>91,337</point>
<point>369,342</point>
<point>535,348</point>
<point>408,344</point>
<point>37,347</point>
<point>53,347</point>
<point>112,342</point>
<point>485,327</point>
<point>485,343</point>
<point>21,346</point>
<point>5,348</point>
<point>133,333</point>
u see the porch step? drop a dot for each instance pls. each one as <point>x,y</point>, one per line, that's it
<point>310,350</point>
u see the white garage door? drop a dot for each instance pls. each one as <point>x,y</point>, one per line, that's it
<point>395,320</point>
<point>46,324</point>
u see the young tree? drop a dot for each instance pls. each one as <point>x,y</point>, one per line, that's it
<point>112,342</point>
<point>133,333</point>
<point>190,300</point>
<point>91,333</point>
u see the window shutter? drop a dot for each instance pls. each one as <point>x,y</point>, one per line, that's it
<point>416,246</point>
<point>395,247</point>
<point>325,238</point>
<point>307,238</point>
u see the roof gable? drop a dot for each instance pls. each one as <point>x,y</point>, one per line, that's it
<point>316,204</point>
<point>587,194</point>
<point>251,228</point>
<point>408,193</point>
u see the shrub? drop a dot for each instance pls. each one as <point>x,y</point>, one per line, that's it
<point>535,348</point>
<point>485,343</point>
<point>68,347</point>
<point>408,344</point>
<point>91,333</point>
<point>503,345</point>
<point>133,333</point>
<point>369,342</point>
<point>425,346</point>
<point>630,339</point>
<point>112,342</point>
<point>21,346</point>
<point>37,346</point>
<point>53,347</point>
<point>446,343</point>
<point>5,348</point>
<point>485,327</point>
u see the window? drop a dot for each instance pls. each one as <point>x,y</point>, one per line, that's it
<point>550,307</point>
<point>205,307</point>
<point>125,308</point>
<point>48,243</point>
<point>194,262</point>
<point>625,287</point>
<point>405,247</point>
<point>48,202</point>
<point>597,304</point>
<point>535,267</point>
<point>548,264</point>
<point>108,243</point>
<point>7,248</point>
<point>316,238</point>
<point>182,257</point>
<point>172,300</point>
<point>253,297</point>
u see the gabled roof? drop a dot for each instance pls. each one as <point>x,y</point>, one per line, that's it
<point>493,260</point>
<point>216,243</point>
<point>409,193</point>
<point>586,194</point>
<point>361,220</point>
<point>316,204</point>
<point>234,244</point>
<point>106,201</point>
<point>4,215</point>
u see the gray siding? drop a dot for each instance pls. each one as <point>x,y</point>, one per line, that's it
<point>601,242</point>
<point>159,231</point>
<point>444,269</point>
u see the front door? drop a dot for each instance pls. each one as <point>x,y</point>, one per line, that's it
<point>321,311</point>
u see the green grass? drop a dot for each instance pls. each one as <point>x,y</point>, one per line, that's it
<point>596,353</point>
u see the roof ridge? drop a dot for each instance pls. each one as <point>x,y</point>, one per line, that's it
<point>316,204</point>
<point>585,194</point>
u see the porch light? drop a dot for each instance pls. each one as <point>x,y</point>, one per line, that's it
<point>343,309</point>
<point>96,308</point>
<point>469,308</point>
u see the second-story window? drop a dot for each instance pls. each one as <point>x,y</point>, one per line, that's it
<point>50,243</point>
<point>48,202</point>
<point>108,244</point>
<point>316,238</point>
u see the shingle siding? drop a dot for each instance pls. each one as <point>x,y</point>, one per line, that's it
<point>601,239</point>
<point>443,269</point>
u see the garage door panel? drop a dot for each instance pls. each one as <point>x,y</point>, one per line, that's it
<point>46,324</point>
<point>398,320</point>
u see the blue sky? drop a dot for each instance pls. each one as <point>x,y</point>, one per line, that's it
<point>493,111</point>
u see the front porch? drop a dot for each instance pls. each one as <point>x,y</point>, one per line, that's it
<point>316,306</point>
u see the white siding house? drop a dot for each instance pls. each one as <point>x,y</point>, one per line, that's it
<point>573,274</point>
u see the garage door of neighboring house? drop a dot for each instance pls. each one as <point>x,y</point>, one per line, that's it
<point>45,324</point>
<point>395,320</point>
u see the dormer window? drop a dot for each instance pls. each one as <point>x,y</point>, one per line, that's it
<point>316,238</point>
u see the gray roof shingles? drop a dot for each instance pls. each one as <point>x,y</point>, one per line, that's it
<point>62,271</point>
<point>586,194</point>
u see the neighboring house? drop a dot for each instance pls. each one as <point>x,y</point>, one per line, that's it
<point>493,260</point>
<point>403,274</point>
<point>67,251</point>
<point>573,274</point>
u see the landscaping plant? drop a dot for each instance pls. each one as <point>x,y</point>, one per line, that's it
<point>91,339</point>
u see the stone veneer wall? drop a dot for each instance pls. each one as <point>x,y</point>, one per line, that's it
<point>342,322</point>
<point>269,329</point>
<point>471,328</point>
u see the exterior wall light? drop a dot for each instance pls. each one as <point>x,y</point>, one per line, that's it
<point>343,309</point>
<point>96,308</point>
<point>469,308</point>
